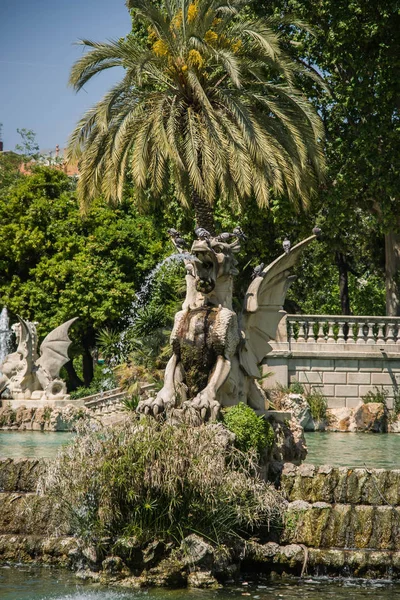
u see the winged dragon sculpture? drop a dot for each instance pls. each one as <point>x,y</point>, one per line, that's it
<point>26,374</point>
<point>216,353</point>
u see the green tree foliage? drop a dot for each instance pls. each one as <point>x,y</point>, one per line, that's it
<point>55,265</point>
<point>210,99</point>
<point>356,45</point>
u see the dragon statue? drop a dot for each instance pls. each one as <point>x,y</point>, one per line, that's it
<point>25,374</point>
<point>216,353</point>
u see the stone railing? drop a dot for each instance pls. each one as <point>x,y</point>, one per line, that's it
<point>332,329</point>
<point>345,357</point>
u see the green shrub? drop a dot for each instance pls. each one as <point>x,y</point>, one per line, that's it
<point>296,388</point>
<point>318,404</point>
<point>158,481</point>
<point>131,402</point>
<point>378,395</point>
<point>252,432</point>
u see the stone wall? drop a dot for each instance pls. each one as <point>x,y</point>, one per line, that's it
<point>343,368</point>
<point>343,381</point>
<point>339,521</point>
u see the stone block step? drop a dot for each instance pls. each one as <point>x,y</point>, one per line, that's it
<point>20,474</point>
<point>340,485</point>
<point>55,551</point>
<point>298,559</point>
<point>323,525</point>
<point>28,514</point>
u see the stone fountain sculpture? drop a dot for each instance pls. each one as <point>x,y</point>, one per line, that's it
<point>216,353</point>
<point>28,375</point>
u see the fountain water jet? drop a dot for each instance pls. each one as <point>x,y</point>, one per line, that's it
<point>5,334</point>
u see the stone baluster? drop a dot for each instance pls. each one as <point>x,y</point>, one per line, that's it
<point>381,335</point>
<point>310,333</point>
<point>289,331</point>
<point>302,334</point>
<point>351,332</point>
<point>360,333</point>
<point>340,338</point>
<point>321,336</point>
<point>390,333</point>
<point>370,334</point>
<point>331,336</point>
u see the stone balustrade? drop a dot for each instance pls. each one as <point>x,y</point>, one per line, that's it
<point>344,357</point>
<point>333,329</point>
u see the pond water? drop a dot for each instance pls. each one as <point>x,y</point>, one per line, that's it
<point>380,451</point>
<point>25,583</point>
<point>374,450</point>
<point>32,444</point>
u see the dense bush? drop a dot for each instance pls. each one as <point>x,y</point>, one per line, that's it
<point>149,481</point>
<point>251,432</point>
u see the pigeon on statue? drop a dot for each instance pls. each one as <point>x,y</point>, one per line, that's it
<point>238,231</point>
<point>202,233</point>
<point>286,245</point>
<point>317,232</point>
<point>179,242</point>
<point>257,271</point>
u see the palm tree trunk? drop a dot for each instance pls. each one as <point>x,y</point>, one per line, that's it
<point>203,213</point>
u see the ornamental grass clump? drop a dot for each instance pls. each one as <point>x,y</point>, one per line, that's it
<point>150,481</point>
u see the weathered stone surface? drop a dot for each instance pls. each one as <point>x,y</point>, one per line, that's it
<point>57,551</point>
<point>20,474</point>
<point>371,417</point>
<point>27,514</point>
<point>197,552</point>
<point>202,580</point>
<point>42,418</point>
<point>299,407</point>
<point>340,485</point>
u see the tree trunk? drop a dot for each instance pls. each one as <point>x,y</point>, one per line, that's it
<point>87,366</point>
<point>392,267</point>
<point>343,283</point>
<point>73,379</point>
<point>203,213</point>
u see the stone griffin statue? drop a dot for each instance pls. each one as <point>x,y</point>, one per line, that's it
<point>25,374</point>
<point>216,354</point>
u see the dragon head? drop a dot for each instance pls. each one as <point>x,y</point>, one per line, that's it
<point>211,268</point>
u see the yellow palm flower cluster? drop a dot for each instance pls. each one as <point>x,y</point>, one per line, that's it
<point>160,48</point>
<point>195,59</point>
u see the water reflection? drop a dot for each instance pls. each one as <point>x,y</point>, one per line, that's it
<point>44,584</point>
<point>374,450</point>
<point>32,444</point>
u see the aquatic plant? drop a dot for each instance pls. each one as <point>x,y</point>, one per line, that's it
<point>318,404</point>
<point>378,395</point>
<point>155,481</point>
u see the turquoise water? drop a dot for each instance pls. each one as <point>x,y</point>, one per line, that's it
<point>32,444</point>
<point>338,449</point>
<point>45,584</point>
<point>374,450</point>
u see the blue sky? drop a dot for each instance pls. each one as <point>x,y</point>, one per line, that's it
<point>36,53</point>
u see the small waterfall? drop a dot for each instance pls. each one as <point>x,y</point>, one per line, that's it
<point>5,334</point>
<point>143,294</point>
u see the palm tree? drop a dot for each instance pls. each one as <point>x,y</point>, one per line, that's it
<point>208,101</point>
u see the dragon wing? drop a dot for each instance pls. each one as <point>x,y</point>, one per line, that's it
<point>54,349</point>
<point>27,343</point>
<point>263,308</point>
